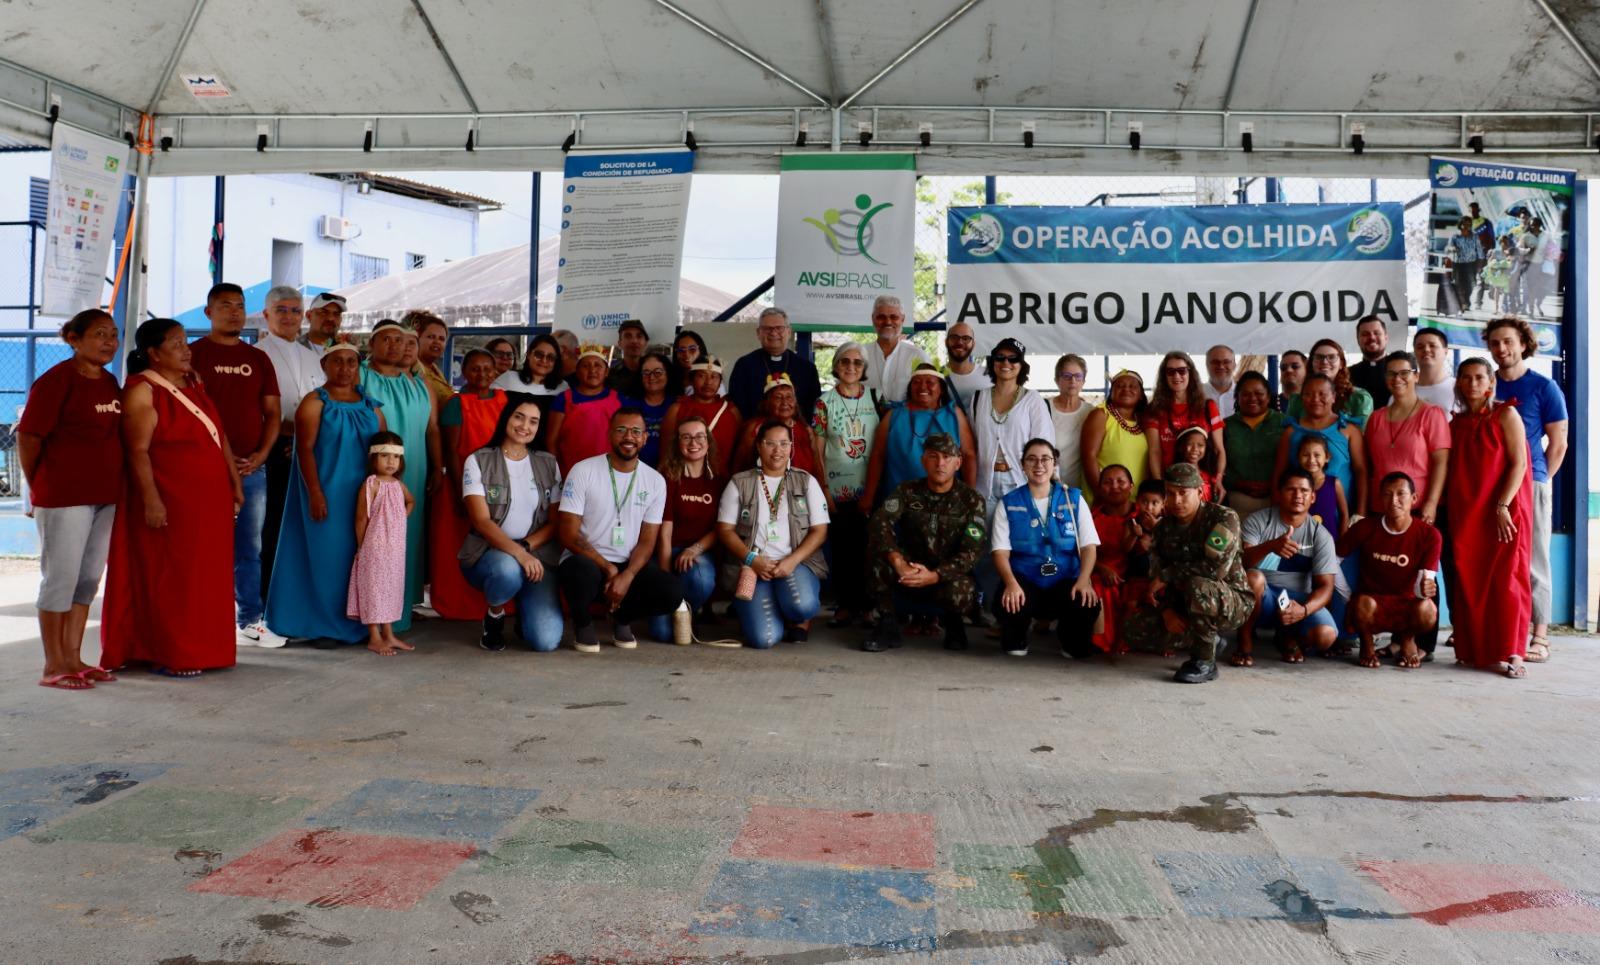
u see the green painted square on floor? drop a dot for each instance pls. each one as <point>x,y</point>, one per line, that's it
<point>593,852</point>
<point>180,817</point>
<point>1113,882</point>
<point>1013,876</point>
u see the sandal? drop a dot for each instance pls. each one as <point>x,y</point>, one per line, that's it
<point>96,675</point>
<point>66,681</point>
<point>178,674</point>
<point>1515,671</point>
<point>1293,654</point>
<point>1538,650</point>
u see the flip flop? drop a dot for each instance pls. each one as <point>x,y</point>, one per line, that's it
<point>96,675</point>
<point>1515,671</point>
<point>55,682</point>
<point>176,674</point>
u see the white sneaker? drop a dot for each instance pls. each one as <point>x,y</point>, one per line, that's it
<point>582,647</point>
<point>257,635</point>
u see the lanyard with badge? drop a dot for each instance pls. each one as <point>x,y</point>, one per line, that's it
<point>772,507</point>
<point>619,537</point>
<point>1049,567</point>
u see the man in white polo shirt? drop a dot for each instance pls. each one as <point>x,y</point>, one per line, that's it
<point>611,509</point>
<point>892,358</point>
<point>299,371</point>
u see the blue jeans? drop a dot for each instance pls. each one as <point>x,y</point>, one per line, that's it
<point>247,548</point>
<point>793,599</point>
<point>698,582</point>
<point>538,608</point>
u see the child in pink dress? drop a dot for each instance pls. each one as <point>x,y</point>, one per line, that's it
<point>378,576</point>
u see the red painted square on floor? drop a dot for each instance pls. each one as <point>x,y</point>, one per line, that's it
<point>1495,897</point>
<point>837,837</point>
<point>330,868</point>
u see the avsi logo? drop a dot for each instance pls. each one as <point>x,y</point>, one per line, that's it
<point>982,235</point>
<point>1446,175</point>
<point>849,232</point>
<point>1370,230</point>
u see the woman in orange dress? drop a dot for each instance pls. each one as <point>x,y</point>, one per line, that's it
<point>169,583</point>
<point>466,422</point>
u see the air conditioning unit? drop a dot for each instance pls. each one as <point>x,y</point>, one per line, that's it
<point>336,228</point>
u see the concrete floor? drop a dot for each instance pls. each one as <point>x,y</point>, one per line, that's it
<point>806,805</point>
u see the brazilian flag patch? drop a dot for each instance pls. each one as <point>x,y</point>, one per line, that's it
<point>975,531</point>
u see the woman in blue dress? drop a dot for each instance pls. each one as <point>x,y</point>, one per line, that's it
<point>317,543</point>
<point>410,411</point>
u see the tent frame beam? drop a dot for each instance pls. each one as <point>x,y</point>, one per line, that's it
<point>449,61</point>
<point>906,54</point>
<point>1238,54</point>
<point>177,54</point>
<point>1572,38</point>
<point>739,49</point>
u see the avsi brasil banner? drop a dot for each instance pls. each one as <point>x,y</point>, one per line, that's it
<point>622,222</point>
<point>1261,278</point>
<point>846,235</point>
<point>1498,244</point>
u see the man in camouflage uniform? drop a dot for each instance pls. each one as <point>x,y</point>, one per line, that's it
<point>1198,587</point>
<point>922,545</point>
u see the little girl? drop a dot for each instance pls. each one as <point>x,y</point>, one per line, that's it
<point>1194,446</point>
<point>1329,507</point>
<point>378,576</point>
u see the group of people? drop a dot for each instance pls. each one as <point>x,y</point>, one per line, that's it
<point>1513,272</point>
<point>574,489</point>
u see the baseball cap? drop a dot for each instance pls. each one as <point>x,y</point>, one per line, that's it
<point>942,443</point>
<point>1184,474</point>
<point>326,298</point>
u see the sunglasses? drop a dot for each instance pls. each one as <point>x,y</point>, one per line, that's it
<point>543,356</point>
<point>1171,372</point>
<point>1006,359</point>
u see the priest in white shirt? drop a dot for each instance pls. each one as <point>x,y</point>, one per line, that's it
<point>891,359</point>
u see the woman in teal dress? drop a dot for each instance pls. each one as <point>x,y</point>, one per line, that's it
<point>317,543</point>
<point>409,409</point>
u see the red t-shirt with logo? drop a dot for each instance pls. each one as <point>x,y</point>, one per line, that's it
<point>238,378</point>
<point>80,421</point>
<point>1390,561</point>
<point>692,507</point>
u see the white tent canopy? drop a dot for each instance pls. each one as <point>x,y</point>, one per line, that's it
<point>492,289</point>
<point>404,84</point>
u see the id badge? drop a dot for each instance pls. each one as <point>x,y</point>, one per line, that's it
<point>619,537</point>
<point>1048,568</point>
<point>772,533</point>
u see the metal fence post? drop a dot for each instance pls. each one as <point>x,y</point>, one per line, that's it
<point>533,258</point>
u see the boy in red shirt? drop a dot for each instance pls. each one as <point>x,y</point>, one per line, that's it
<point>1398,573</point>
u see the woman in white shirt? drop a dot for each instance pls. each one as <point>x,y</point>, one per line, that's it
<point>1068,410</point>
<point>773,519</point>
<point>1004,418</point>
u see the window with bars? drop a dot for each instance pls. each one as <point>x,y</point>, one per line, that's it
<point>38,200</point>
<point>415,261</point>
<point>367,268</point>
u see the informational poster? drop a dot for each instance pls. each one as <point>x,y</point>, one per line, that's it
<point>846,235</point>
<point>622,220</point>
<point>1145,281</point>
<point>86,173</point>
<point>1499,243</point>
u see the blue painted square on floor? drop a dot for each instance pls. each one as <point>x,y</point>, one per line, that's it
<point>34,796</point>
<point>463,812</point>
<point>819,905</point>
<point>1298,889</point>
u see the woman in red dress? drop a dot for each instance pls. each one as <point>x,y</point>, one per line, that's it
<point>1488,492</point>
<point>169,584</point>
<point>1179,402</point>
<point>1113,511</point>
<point>465,422</point>
<point>778,402</point>
<point>722,418</point>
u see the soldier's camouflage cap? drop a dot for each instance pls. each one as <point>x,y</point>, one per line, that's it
<point>1185,474</point>
<point>944,445</point>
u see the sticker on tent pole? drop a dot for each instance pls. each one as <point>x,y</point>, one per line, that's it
<point>206,86</point>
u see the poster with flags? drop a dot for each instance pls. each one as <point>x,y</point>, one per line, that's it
<point>1499,243</point>
<point>86,173</point>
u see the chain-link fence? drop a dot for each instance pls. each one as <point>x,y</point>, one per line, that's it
<point>24,353</point>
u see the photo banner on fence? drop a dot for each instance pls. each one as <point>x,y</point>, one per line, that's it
<point>1499,243</point>
<point>86,173</point>
<point>1145,281</point>
<point>622,222</point>
<point>846,235</point>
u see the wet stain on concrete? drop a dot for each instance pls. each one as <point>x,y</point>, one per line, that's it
<point>692,740</point>
<point>106,783</point>
<point>588,847</point>
<point>599,703</point>
<point>386,735</point>
<point>206,859</point>
<point>284,926</point>
<point>1265,733</point>
<point>550,809</point>
<point>975,690</point>
<point>1041,749</point>
<point>591,760</point>
<point>519,745</point>
<point>472,906</point>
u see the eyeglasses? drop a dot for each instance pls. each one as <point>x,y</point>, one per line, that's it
<point>1070,377</point>
<point>1399,374</point>
<point>542,356</point>
<point>1037,460</point>
<point>776,443</point>
<point>653,374</point>
<point>632,431</point>
<point>888,318</point>
<point>1006,359</point>
<point>769,329</point>
<point>959,338</point>
<point>1171,372</point>
<point>1325,357</point>
<point>505,355</point>
<point>693,438</point>
<point>852,363</point>
<point>688,350</point>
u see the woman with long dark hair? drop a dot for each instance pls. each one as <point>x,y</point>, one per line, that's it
<point>688,348</point>
<point>1178,402</point>
<point>69,441</point>
<point>169,590</point>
